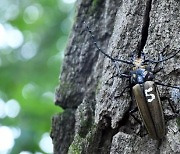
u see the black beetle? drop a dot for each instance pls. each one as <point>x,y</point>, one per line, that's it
<point>144,90</point>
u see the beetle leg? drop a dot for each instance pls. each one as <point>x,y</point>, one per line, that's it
<point>138,121</point>
<point>157,70</point>
<point>135,118</point>
<point>124,90</point>
<point>176,113</point>
<point>119,95</point>
<point>124,75</point>
<point>170,103</point>
<point>121,75</point>
<point>167,85</point>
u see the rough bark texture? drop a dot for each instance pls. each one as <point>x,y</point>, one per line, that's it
<point>96,119</point>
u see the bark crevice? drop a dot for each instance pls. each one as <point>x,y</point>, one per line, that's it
<point>145,28</point>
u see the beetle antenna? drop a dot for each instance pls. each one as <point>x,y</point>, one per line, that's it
<point>162,60</point>
<point>100,50</point>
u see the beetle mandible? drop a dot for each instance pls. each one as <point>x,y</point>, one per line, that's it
<point>144,89</point>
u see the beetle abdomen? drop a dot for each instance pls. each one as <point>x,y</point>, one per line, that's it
<point>150,108</point>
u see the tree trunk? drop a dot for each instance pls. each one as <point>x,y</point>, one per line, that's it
<point>95,118</point>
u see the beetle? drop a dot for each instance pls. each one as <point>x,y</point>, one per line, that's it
<point>144,90</point>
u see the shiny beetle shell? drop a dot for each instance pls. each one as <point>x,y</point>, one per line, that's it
<point>149,104</point>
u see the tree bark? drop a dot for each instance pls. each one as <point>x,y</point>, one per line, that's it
<point>95,118</point>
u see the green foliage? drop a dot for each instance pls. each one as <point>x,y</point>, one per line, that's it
<point>30,72</point>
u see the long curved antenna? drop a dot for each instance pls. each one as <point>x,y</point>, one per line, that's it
<point>158,61</point>
<point>99,49</point>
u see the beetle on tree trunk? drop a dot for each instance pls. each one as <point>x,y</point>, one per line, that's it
<point>144,90</point>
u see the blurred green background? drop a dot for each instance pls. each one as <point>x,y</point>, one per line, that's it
<point>33,36</point>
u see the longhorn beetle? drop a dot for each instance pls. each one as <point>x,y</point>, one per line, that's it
<point>144,90</point>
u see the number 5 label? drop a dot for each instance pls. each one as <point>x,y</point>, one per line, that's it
<point>148,94</point>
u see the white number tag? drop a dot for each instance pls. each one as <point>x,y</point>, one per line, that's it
<point>147,93</point>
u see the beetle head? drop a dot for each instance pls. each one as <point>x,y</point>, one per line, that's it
<point>138,63</point>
